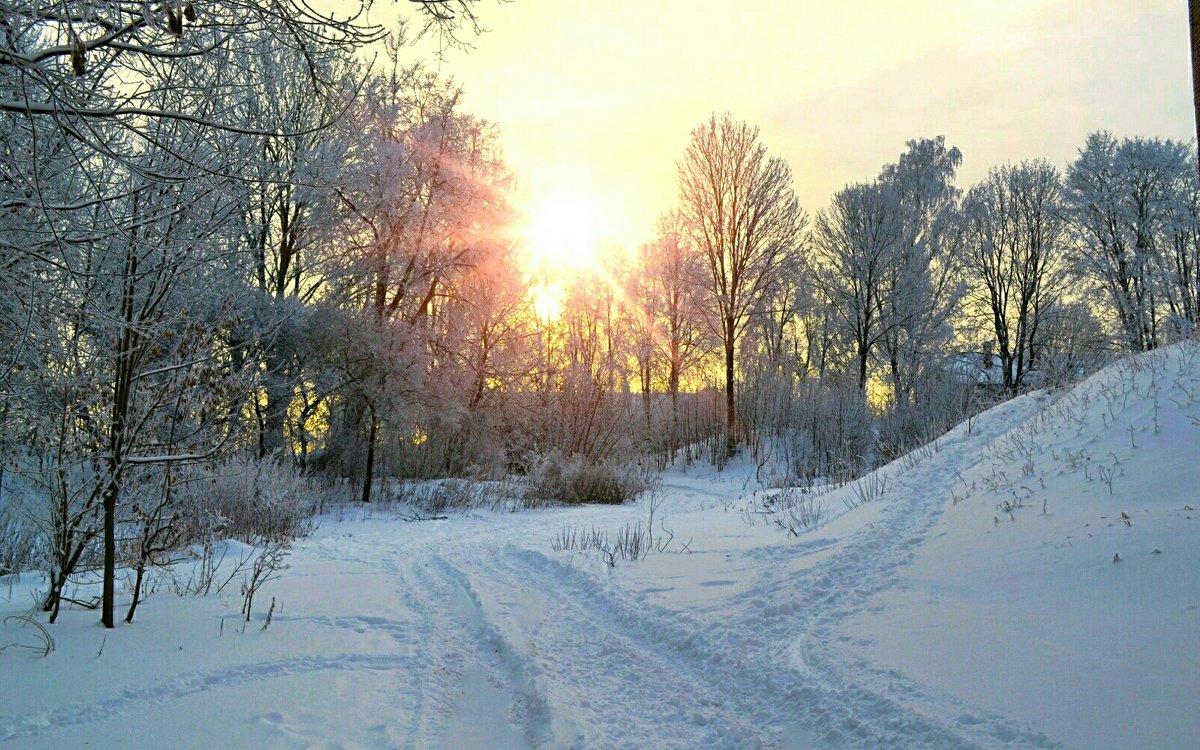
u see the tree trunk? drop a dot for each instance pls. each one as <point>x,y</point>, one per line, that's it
<point>3,444</point>
<point>1194,19</point>
<point>278,392</point>
<point>863,355</point>
<point>898,394</point>
<point>110,552</point>
<point>137,591</point>
<point>730,412</point>
<point>122,384</point>
<point>673,386</point>
<point>372,433</point>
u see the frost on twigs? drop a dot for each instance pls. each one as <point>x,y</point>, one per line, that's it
<point>631,542</point>
<point>574,480</point>
<point>267,567</point>
<point>792,509</point>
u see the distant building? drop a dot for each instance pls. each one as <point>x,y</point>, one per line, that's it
<point>985,369</point>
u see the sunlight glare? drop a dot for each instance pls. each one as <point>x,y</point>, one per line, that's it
<point>563,240</point>
<point>547,301</point>
<point>564,236</point>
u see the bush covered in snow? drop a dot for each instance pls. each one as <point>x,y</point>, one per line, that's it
<point>574,480</point>
<point>19,543</point>
<point>247,499</point>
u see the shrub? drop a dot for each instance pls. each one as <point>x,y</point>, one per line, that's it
<point>247,499</point>
<point>630,542</point>
<point>23,530</point>
<point>452,494</point>
<point>575,481</point>
<point>20,543</point>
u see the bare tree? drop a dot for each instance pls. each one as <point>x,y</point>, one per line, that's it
<point>1015,234</point>
<point>669,276</point>
<point>742,214</point>
<point>858,243</point>
<point>423,187</point>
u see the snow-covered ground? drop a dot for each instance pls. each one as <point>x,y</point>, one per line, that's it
<point>974,603</point>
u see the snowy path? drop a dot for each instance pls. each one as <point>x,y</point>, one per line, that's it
<point>474,633</point>
<point>585,663</point>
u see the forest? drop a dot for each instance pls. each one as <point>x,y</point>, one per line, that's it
<point>248,272</point>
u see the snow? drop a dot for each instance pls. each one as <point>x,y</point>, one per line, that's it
<point>1037,620</point>
<point>929,617</point>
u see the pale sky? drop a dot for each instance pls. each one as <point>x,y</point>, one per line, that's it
<point>597,99</point>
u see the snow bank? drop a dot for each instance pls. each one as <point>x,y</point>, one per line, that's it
<point>1062,583</point>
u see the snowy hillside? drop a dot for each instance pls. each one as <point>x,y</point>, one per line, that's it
<point>1062,585</point>
<point>968,595</point>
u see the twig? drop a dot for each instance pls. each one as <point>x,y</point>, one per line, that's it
<point>45,647</point>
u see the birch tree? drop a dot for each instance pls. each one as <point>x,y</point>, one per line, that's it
<point>924,290</point>
<point>858,245</point>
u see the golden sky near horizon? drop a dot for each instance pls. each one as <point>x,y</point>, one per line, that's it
<point>597,99</point>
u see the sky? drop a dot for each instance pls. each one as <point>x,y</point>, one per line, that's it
<point>597,99</point>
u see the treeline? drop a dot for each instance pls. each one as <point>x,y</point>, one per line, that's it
<point>230,248</point>
<point>850,337</point>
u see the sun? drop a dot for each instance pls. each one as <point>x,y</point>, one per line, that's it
<point>563,240</point>
<point>564,236</point>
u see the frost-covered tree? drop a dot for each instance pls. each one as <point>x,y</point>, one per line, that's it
<point>1015,234</point>
<point>859,253</point>
<point>91,65</point>
<point>130,144</point>
<point>590,414</point>
<point>1132,209</point>
<point>1180,264</point>
<point>670,274</point>
<point>741,212</point>
<point>143,298</point>
<point>924,290</point>
<point>487,349</point>
<point>423,191</point>
<point>289,184</point>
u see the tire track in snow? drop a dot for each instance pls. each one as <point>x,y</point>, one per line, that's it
<point>872,564</point>
<point>502,659</point>
<point>613,684</point>
<point>741,671</point>
<point>443,653</point>
<point>440,646</point>
<point>189,684</point>
<point>800,614</point>
<point>427,662</point>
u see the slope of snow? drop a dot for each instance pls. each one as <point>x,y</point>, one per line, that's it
<point>1026,611</point>
<point>930,617</point>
